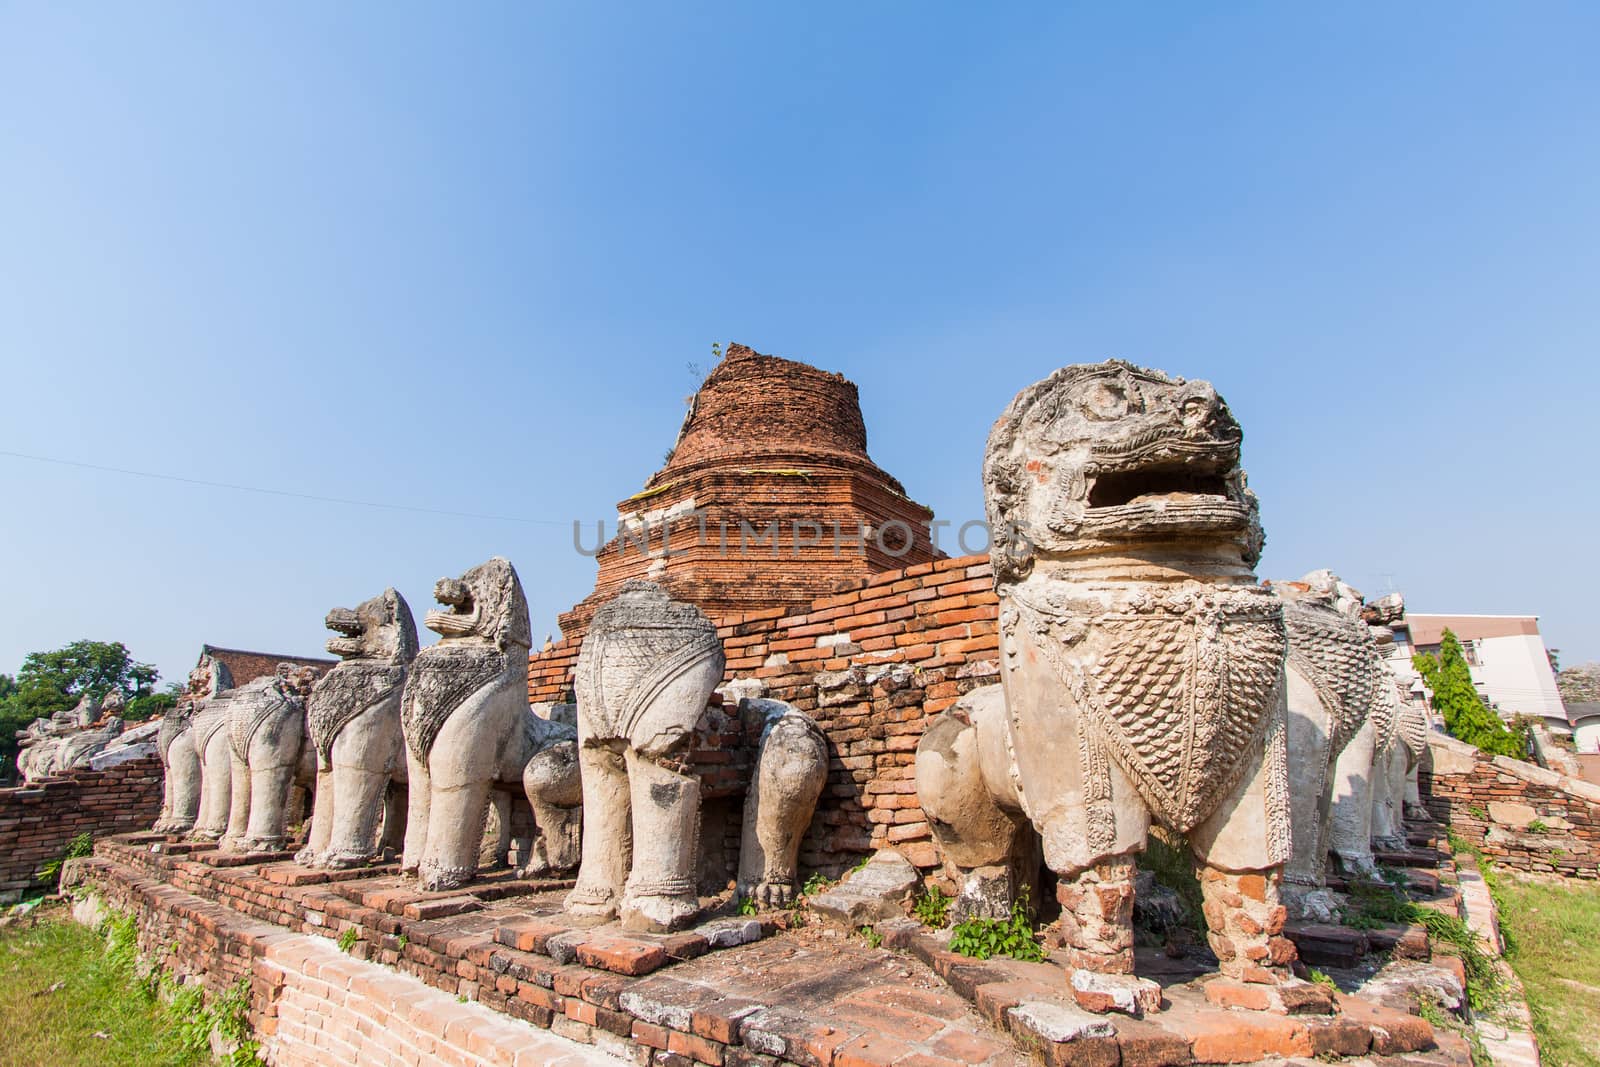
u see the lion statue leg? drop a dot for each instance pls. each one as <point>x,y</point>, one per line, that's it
<point>791,768</point>
<point>976,817</point>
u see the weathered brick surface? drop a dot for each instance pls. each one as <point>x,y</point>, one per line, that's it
<point>1485,800</point>
<point>37,822</point>
<point>773,465</point>
<point>870,665</point>
<point>460,989</point>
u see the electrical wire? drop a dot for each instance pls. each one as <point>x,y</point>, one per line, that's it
<point>277,492</point>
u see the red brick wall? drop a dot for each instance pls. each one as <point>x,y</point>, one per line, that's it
<point>870,666</point>
<point>38,822</point>
<point>1518,814</point>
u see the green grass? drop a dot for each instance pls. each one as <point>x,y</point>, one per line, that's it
<point>98,996</point>
<point>1553,943</point>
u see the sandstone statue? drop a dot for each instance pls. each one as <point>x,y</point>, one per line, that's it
<point>1333,682</point>
<point>1360,775</point>
<point>209,735</point>
<point>1142,665</point>
<point>644,674</point>
<point>541,759</point>
<point>1391,793</point>
<point>50,746</point>
<point>791,767</point>
<point>353,719</point>
<point>180,758</point>
<point>266,735</point>
<point>463,702</point>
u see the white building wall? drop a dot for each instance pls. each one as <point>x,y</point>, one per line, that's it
<point>1586,735</point>
<point>1514,673</point>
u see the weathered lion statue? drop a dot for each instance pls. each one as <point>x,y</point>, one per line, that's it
<point>464,698</point>
<point>353,718</point>
<point>644,673</point>
<point>1142,666</point>
<point>266,733</point>
<point>180,762</point>
<point>1335,682</point>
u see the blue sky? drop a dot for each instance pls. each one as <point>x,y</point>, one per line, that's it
<point>459,258</point>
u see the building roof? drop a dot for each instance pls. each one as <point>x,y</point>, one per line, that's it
<point>1582,709</point>
<point>1429,629</point>
<point>245,666</point>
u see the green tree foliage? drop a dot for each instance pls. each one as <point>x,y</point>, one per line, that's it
<point>55,681</point>
<point>152,704</point>
<point>1466,716</point>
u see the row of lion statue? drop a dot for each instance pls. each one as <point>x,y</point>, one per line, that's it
<point>1147,678</point>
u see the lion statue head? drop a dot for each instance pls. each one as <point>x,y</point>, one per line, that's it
<point>1103,457</point>
<point>485,604</point>
<point>380,629</point>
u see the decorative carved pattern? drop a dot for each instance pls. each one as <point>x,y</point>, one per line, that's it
<point>345,692</point>
<point>441,679</point>
<point>1335,653</point>
<point>1183,690</point>
<point>634,652</point>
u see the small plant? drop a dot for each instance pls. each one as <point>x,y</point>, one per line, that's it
<point>402,941</point>
<point>1477,812</point>
<point>1538,826</point>
<point>1014,937</point>
<point>932,908</point>
<point>862,864</point>
<point>82,845</point>
<point>817,883</point>
<point>1431,1012</point>
<point>747,905</point>
<point>870,936</point>
<point>1322,978</point>
<point>348,939</point>
<point>461,998</point>
<point>1372,906</point>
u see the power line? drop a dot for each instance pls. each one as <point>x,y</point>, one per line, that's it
<point>277,492</point>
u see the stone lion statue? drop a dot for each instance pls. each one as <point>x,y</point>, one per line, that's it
<point>463,700</point>
<point>1142,669</point>
<point>1335,682</point>
<point>646,669</point>
<point>353,719</point>
<point>266,735</point>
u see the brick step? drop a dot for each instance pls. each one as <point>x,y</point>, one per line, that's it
<point>1035,1004</point>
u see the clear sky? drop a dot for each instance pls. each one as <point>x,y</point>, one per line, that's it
<point>459,257</point>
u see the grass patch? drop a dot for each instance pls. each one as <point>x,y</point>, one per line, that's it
<point>1372,905</point>
<point>58,1027</point>
<point>1552,935</point>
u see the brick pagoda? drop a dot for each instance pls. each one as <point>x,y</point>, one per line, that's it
<point>768,499</point>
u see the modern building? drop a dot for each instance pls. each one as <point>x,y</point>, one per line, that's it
<point>1585,719</point>
<point>1507,657</point>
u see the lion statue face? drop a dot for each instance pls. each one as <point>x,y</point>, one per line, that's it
<point>1106,456</point>
<point>486,604</point>
<point>378,629</point>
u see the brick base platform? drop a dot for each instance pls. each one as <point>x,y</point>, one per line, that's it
<point>522,983</point>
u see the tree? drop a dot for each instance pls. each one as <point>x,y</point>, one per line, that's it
<point>54,681</point>
<point>153,704</point>
<point>92,667</point>
<point>1465,714</point>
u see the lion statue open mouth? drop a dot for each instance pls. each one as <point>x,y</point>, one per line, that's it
<point>1142,669</point>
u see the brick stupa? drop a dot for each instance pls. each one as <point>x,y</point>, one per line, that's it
<point>766,441</point>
